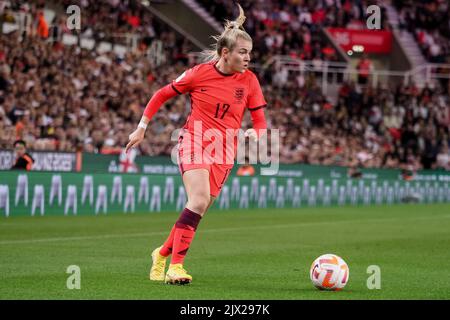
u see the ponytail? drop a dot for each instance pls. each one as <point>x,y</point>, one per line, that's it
<point>228,38</point>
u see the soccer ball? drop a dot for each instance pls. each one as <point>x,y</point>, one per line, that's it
<point>329,272</point>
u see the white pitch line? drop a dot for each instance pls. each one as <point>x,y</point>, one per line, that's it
<point>160,233</point>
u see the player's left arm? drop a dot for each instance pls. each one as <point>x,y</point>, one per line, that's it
<point>259,124</point>
<point>256,105</point>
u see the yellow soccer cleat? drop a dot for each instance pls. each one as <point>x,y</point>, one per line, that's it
<point>158,266</point>
<point>177,275</point>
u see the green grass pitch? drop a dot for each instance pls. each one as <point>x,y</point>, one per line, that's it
<point>242,254</point>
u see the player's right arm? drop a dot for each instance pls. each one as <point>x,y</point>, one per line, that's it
<point>157,100</point>
<point>180,85</point>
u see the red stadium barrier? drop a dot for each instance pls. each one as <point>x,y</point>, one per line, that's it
<point>373,41</point>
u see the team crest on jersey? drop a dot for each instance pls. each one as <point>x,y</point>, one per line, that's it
<point>239,94</point>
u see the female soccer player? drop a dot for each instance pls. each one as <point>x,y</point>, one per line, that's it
<point>220,91</point>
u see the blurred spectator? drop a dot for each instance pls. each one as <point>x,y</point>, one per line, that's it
<point>24,161</point>
<point>364,68</point>
<point>42,27</point>
<point>443,158</point>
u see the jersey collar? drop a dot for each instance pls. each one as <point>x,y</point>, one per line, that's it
<point>222,73</point>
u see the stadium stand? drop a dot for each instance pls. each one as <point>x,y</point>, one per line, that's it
<point>53,105</point>
<point>429,21</point>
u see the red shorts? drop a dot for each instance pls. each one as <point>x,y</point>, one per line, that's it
<point>188,160</point>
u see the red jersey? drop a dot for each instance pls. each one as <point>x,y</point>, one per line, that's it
<point>218,100</point>
<point>218,103</point>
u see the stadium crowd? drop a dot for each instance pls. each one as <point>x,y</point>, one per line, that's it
<point>429,21</point>
<point>65,98</point>
<point>112,20</point>
<point>294,27</point>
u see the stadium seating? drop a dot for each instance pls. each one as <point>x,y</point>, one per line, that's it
<point>429,22</point>
<point>95,106</point>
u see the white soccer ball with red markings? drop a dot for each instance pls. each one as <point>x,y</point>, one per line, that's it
<point>329,272</point>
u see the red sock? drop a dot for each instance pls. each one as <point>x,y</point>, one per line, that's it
<point>184,233</point>
<point>166,249</point>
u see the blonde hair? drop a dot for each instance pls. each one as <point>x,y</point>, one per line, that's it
<point>228,38</point>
